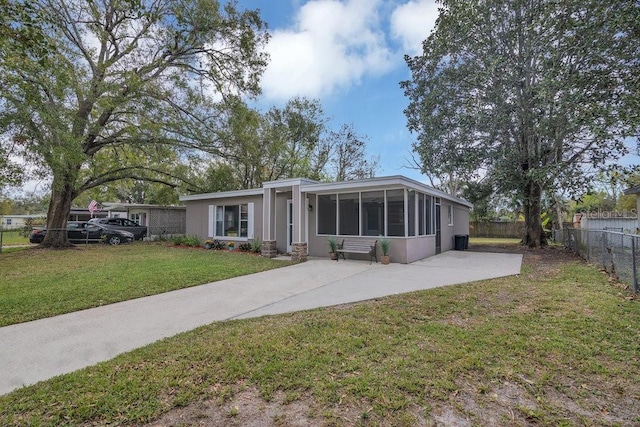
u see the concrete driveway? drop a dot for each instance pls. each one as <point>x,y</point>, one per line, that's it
<point>41,349</point>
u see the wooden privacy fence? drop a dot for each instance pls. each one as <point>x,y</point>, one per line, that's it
<point>513,229</point>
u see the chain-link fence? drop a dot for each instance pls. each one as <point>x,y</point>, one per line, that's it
<point>616,252</point>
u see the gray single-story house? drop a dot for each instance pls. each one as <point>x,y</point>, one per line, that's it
<point>298,216</point>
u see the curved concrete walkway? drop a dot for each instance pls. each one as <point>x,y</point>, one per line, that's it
<point>41,349</point>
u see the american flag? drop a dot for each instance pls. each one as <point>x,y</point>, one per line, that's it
<point>93,207</point>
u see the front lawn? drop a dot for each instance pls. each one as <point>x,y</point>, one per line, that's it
<point>38,283</point>
<point>554,346</point>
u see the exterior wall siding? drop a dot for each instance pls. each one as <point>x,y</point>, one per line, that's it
<point>447,231</point>
<point>460,220</point>
<point>197,215</point>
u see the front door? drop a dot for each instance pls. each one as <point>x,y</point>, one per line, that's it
<point>438,231</point>
<point>289,224</point>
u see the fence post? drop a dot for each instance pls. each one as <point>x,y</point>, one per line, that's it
<point>588,248</point>
<point>633,264</point>
<point>603,249</point>
<point>1,233</point>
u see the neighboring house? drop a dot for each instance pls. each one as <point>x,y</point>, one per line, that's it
<point>298,215</point>
<point>605,222</point>
<point>10,222</point>
<point>83,214</point>
<point>160,220</point>
<point>623,221</point>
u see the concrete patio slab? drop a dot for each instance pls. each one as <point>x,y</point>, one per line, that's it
<point>41,349</point>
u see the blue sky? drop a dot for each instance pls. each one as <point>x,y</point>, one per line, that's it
<point>348,54</point>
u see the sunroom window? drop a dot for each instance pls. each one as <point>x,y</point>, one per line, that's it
<point>373,213</point>
<point>327,204</point>
<point>395,217</point>
<point>349,214</point>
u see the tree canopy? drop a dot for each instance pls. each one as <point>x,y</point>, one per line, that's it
<point>526,92</point>
<point>292,141</point>
<point>114,80</point>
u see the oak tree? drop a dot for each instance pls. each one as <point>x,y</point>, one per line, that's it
<point>112,80</point>
<point>527,92</point>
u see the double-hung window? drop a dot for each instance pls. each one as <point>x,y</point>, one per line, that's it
<point>231,221</point>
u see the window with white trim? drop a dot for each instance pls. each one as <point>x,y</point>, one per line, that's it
<point>231,220</point>
<point>450,214</point>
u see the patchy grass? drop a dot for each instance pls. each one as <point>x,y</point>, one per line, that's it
<point>9,249</point>
<point>557,345</point>
<point>39,283</point>
<point>13,237</point>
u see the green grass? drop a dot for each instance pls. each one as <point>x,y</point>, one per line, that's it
<point>13,237</point>
<point>38,283</point>
<point>563,332</point>
<point>9,249</point>
<point>493,241</point>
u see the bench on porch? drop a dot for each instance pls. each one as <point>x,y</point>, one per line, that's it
<point>357,247</point>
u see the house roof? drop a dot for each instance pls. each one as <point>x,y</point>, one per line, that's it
<point>302,182</point>
<point>311,186</point>
<point>111,206</point>
<point>385,181</point>
<point>222,194</point>
<point>633,190</point>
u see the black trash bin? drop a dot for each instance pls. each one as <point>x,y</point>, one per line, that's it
<point>466,242</point>
<point>460,242</point>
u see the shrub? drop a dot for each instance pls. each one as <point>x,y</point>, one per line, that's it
<point>186,241</point>
<point>245,247</point>
<point>385,244</point>
<point>218,245</point>
<point>256,245</point>
<point>333,245</point>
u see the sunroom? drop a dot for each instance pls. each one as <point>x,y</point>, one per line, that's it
<point>418,220</point>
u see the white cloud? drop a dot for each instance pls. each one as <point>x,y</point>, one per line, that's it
<point>412,23</point>
<point>332,45</point>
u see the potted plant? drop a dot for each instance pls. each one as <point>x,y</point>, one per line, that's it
<point>384,245</point>
<point>208,244</point>
<point>230,245</point>
<point>333,247</point>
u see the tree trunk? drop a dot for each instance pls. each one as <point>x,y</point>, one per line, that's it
<point>62,194</point>
<point>558,203</point>
<point>534,235</point>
